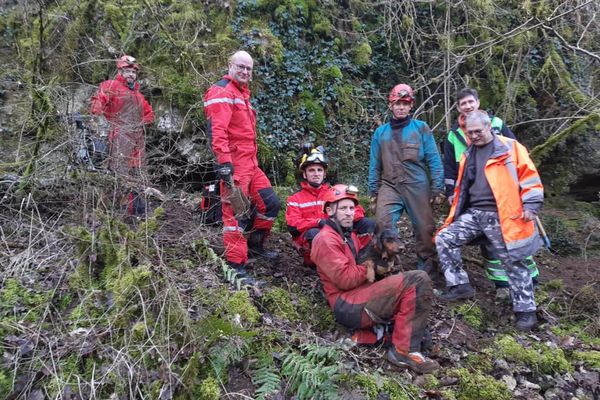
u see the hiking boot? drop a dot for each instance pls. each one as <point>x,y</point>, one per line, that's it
<point>256,246</point>
<point>525,320</point>
<point>458,292</point>
<point>413,361</point>
<point>502,295</point>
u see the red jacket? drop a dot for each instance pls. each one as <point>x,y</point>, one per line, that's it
<point>231,124</point>
<point>126,109</point>
<point>336,265</point>
<point>305,209</point>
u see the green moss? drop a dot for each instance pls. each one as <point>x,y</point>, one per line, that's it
<point>240,304</point>
<point>321,25</point>
<point>362,54</point>
<point>479,386</point>
<point>329,73</point>
<point>579,329</point>
<point>554,284</point>
<point>547,360</point>
<point>28,302</point>
<point>471,314</point>
<point>316,114</point>
<point>209,389</point>
<point>591,358</point>
<point>431,382</point>
<point>5,382</point>
<point>125,287</point>
<point>372,385</point>
<point>279,303</point>
<point>482,361</point>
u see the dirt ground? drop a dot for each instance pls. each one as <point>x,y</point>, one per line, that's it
<point>449,331</point>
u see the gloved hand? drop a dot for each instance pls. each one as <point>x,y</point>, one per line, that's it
<point>225,171</point>
<point>321,222</point>
<point>437,198</point>
<point>373,204</point>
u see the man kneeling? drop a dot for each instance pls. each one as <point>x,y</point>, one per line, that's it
<point>359,302</point>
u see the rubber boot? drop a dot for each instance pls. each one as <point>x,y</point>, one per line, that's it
<point>256,246</point>
<point>242,272</point>
<point>526,320</point>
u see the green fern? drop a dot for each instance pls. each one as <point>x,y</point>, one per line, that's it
<point>230,274</point>
<point>224,354</point>
<point>266,378</point>
<point>312,373</point>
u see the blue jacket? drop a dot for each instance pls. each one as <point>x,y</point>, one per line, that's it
<point>404,159</point>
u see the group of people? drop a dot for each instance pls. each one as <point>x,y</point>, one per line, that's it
<point>488,178</point>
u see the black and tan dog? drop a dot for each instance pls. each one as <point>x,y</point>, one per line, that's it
<point>384,253</point>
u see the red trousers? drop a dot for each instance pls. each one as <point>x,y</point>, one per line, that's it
<point>265,206</point>
<point>404,299</point>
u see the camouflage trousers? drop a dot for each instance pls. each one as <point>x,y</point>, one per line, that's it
<point>468,226</point>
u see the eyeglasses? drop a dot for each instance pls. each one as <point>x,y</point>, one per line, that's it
<point>242,67</point>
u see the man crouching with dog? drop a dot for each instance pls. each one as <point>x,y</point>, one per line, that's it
<point>358,302</point>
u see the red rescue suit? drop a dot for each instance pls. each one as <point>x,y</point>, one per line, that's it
<point>127,111</point>
<point>232,135</point>
<point>304,211</point>
<point>404,299</point>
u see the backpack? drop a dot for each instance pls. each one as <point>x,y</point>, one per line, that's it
<point>210,204</point>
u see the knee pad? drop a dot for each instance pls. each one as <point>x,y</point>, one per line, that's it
<point>272,204</point>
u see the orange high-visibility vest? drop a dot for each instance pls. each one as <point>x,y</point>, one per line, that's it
<point>514,181</point>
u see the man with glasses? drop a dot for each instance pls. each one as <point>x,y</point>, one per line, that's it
<point>467,101</point>
<point>498,195</point>
<point>403,157</point>
<point>127,112</point>
<point>304,212</point>
<point>360,303</point>
<point>232,136</point>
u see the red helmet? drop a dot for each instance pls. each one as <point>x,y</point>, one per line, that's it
<point>127,61</point>
<point>401,92</point>
<point>341,192</point>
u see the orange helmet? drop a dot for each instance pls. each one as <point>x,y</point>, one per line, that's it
<point>341,192</point>
<point>127,61</point>
<point>401,92</point>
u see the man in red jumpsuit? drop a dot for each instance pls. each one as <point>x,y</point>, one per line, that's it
<point>127,111</point>
<point>359,302</point>
<point>232,135</point>
<point>304,212</point>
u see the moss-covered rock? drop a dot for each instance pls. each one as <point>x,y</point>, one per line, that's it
<point>473,385</point>
<point>545,359</point>
<point>471,314</point>
<point>590,358</point>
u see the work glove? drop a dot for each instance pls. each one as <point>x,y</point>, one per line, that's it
<point>437,198</point>
<point>373,204</point>
<point>225,171</point>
